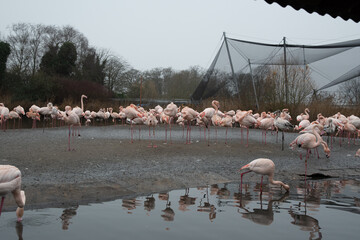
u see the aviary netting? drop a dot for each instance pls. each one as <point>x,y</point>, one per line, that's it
<point>330,64</point>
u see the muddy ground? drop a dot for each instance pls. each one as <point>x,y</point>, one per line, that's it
<point>105,165</point>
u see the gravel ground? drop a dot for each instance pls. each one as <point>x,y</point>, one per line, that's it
<point>105,165</point>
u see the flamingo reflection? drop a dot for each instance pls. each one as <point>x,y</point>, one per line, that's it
<point>19,230</point>
<point>207,206</point>
<point>306,223</point>
<point>149,203</point>
<point>263,216</point>
<point>186,201</point>
<point>130,204</point>
<point>168,213</point>
<point>67,214</point>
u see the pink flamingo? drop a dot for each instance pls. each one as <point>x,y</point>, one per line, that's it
<point>265,124</point>
<point>206,115</point>
<point>310,141</point>
<point>263,166</point>
<point>245,119</point>
<point>189,114</point>
<point>4,113</point>
<point>170,111</point>
<point>131,112</point>
<point>33,115</point>
<point>227,122</point>
<point>303,116</point>
<point>80,111</point>
<point>19,110</point>
<point>215,119</point>
<point>14,115</point>
<point>151,121</point>
<point>10,182</point>
<point>73,120</point>
<point>350,129</point>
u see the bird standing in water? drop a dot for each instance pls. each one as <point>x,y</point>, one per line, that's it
<point>263,166</point>
<point>10,182</point>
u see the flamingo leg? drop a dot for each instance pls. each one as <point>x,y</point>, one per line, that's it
<point>69,139</point>
<point>261,184</point>
<point>241,135</point>
<point>282,141</point>
<point>170,131</point>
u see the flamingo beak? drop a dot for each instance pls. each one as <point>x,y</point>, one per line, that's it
<point>243,167</point>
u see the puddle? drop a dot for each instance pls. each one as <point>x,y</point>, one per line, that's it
<point>329,209</point>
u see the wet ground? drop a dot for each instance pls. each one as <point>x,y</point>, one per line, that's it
<point>105,165</point>
<point>327,209</point>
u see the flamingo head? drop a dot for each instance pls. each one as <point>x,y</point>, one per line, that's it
<point>244,167</point>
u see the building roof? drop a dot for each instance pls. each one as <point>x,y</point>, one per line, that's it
<point>346,9</point>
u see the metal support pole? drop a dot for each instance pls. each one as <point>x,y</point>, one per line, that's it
<point>253,83</point>
<point>286,78</point>
<point>140,89</point>
<point>231,65</point>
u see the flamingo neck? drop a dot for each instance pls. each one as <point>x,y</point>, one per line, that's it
<point>275,182</point>
<point>318,138</point>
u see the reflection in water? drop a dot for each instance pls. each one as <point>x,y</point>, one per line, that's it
<point>19,229</point>
<point>260,215</point>
<point>306,223</point>
<point>206,206</point>
<point>168,213</point>
<point>149,203</point>
<point>130,204</point>
<point>67,215</point>
<point>303,209</point>
<point>186,201</point>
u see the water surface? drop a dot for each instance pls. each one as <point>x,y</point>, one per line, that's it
<point>328,209</point>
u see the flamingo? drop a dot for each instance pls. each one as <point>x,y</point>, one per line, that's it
<point>170,111</point>
<point>309,141</point>
<point>206,115</point>
<point>227,122</point>
<point>131,112</point>
<point>263,166</point>
<point>72,119</point>
<point>265,124</point>
<point>4,113</point>
<point>14,115</point>
<point>282,124</point>
<point>216,118</point>
<point>303,116</point>
<point>19,110</point>
<point>303,124</point>
<point>80,111</point>
<point>350,128</point>
<point>151,121</point>
<point>245,119</point>
<point>188,114</point>
<point>10,182</point>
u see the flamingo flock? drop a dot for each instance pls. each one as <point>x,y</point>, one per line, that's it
<point>336,125</point>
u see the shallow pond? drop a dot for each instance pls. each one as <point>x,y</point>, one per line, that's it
<point>329,209</point>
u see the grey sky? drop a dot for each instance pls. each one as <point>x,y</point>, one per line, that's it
<point>177,34</point>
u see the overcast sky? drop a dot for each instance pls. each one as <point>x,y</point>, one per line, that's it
<point>177,34</point>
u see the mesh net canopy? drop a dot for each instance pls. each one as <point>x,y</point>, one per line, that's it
<point>330,64</point>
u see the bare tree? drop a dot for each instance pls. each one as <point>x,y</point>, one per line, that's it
<point>349,92</point>
<point>300,85</point>
<point>19,39</point>
<point>115,73</point>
